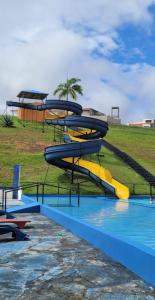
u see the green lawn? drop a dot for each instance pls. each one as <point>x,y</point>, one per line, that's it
<point>25,146</point>
<point>137,142</point>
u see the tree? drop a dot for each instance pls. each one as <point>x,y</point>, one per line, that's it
<point>69,88</point>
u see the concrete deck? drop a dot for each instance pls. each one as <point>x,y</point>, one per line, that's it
<point>57,265</point>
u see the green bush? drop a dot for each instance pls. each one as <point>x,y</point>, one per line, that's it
<point>6,121</point>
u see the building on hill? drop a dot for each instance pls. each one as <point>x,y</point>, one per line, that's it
<point>91,112</point>
<point>34,97</point>
<point>25,114</point>
<point>146,123</point>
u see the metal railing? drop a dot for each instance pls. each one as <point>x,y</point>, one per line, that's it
<point>136,189</point>
<point>40,194</point>
<point>12,189</point>
<point>137,167</point>
<point>145,189</point>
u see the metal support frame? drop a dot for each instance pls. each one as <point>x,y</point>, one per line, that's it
<point>115,109</point>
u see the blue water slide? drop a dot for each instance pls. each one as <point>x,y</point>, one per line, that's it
<point>54,154</point>
<point>99,128</point>
<point>49,104</point>
<point>87,136</point>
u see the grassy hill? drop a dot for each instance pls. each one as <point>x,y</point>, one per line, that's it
<point>25,146</point>
<point>137,142</point>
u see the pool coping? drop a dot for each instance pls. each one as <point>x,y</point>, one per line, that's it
<point>137,257</point>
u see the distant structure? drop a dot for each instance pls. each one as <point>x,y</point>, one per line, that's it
<point>115,112</point>
<point>91,112</point>
<point>146,123</point>
<point>32,94</point>
<point>36,97</point>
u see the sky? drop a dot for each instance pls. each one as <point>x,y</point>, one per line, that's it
<point>108,44</point>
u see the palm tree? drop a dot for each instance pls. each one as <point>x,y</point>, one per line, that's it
<point>69,88</point>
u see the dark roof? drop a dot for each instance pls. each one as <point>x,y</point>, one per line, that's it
<point>32,94</point>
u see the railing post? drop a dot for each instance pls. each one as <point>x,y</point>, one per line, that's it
<point>5,196</point>
<point>72,179</point>
<point>70,200</point>
<point>2,198</point>
<point>37,191</point>
<point>78,190</point>
<point>133,189</point>
<point>150,190</point>
<point>42,193</point>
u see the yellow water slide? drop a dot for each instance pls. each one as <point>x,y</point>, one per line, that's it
<point>121,191</point>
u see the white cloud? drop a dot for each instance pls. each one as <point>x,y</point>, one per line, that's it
<point>103,44</point>
<point>41,42</point>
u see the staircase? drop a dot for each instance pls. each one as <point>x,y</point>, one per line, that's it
<point>131,162</point>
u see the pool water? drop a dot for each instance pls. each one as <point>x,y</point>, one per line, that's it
<point>133,219</point>
<point>144,201</point>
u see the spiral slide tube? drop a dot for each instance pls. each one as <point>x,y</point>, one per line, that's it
<point>84,137</point>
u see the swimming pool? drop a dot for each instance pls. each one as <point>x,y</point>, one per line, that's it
<point>133,219</point>
<point>123,219</point>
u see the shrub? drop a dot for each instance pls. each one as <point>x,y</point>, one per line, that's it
<point>6,121</point>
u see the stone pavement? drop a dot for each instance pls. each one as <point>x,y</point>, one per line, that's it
<point>56,265</point>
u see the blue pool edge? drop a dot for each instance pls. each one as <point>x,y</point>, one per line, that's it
<point>138,258</point>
